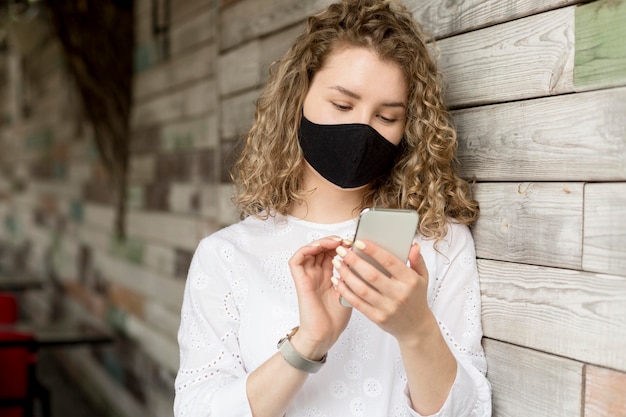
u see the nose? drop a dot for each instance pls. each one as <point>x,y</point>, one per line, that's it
<point>366,118</point>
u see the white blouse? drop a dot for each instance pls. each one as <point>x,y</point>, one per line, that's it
<point>240,300</point>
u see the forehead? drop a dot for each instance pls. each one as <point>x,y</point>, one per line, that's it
<point>357,68</point>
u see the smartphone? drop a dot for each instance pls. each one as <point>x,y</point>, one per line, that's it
<point>391,229</point>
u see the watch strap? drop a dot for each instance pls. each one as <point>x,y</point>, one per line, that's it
<point>295,359</point>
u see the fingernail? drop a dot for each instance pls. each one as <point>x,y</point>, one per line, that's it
<point>359,244</point>
<point>334,280</point>
<point>347,242</point>
<point>337,239</point>
<point>336,263</point>
<point>315,245</point>
<point>341,251</point>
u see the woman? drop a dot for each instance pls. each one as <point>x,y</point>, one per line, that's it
<point>358,84</point>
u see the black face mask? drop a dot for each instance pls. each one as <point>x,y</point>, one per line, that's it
<point>348,155</point>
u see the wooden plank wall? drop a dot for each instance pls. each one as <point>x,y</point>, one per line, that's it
<point>537,90</point>
<point>538,97</point>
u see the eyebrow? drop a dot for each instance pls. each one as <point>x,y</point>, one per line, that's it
<point>356,96</point>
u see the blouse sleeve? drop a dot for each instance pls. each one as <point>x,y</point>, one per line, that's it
<point>211,380</point>
<point>455,302</point>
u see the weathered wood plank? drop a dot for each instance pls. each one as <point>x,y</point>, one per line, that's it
<point>184,198</point>
<point>228,213</point>
<point>604,241</point>
<point>193,101</point>
<point>82,366</point>
<point>274,47</point>
<point>600,46</point>
<point>186,9</point>
<point>148,284</point>
<point>193,66</point>
<point>196,30</point>
<point>247,66</point>
<point>142,168</point>
<point>143,26</point>
<point>526,58</point>
<point>159,347</point>
<point>165,320</point>
<point>98,216</point>
<point>442,19</point>
<point>605,392</point>
<point>529,383</point>
<point>575,137</point>
<point>240,68</point>
<point>168,229</point>
<point>251,19</point>
<point>237,114</point>
<point>194,134</point>
<point>569,313</point>
<point>534,223</point>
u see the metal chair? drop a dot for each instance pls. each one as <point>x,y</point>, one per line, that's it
<point>19,388</point>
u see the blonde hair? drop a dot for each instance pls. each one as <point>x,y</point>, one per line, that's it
<point>268,171</point>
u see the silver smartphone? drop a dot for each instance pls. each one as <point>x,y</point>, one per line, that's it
<point>391,229</point>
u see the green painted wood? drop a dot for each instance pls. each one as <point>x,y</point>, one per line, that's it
<point>600,59</point>
<point>146,56</point>
<point>130,249</point>
<point>116,318</point>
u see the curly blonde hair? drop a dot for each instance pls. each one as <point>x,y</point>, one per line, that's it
<point>268,171</point>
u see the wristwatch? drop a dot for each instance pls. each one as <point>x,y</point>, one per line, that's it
<point>294,358</point>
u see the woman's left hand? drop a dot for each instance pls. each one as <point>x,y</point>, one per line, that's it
<point>398,303</point>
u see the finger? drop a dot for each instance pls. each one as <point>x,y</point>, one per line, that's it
<point>416,260</point>
<point>318,246</point>
<point>362,282</point>
<point>391,266</point>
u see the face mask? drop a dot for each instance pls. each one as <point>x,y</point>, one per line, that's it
<point>348,155</point>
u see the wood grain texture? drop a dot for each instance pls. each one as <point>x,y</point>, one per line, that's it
<point>529,383</point>
<point>198,29</point>
<point>533,223</point>
<point>240,68</point>
<point>569,313</point>
<point>526,58</point>
<point>187,9</point>
<point>574,137</point>
<point>605,392</point>
<point>604,243</point>
<point>600,45</point>
<point>251,19</point>
<point>192,101</point>
<point>446,18</point>
<point>194,66</point>
<point>247,65</point>
<point>237,114</point>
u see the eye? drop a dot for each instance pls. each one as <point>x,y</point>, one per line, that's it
<point>388,120</point>
<point>342,107</point>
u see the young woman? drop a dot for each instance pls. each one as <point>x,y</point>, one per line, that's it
<point>351,117</point>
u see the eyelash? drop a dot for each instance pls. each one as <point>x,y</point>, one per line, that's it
<point>342,107</point>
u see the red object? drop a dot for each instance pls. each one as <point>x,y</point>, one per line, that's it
<point>8,308</point>
<point>19,387</point>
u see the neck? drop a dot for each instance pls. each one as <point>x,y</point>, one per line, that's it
<point>325,202</point>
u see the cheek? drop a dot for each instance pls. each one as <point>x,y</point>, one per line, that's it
<point>313,109</point>
<point>394,135</point>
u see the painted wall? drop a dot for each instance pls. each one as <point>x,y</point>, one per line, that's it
<point>538,94</point>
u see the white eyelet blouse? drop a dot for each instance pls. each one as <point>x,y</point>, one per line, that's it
<point>240,300</point>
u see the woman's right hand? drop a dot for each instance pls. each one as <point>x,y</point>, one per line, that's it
<point>322,317</point>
